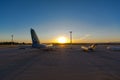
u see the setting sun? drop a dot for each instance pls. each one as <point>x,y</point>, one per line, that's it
<point>62,40</point>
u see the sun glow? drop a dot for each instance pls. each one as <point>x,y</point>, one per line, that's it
<point>62,40</point>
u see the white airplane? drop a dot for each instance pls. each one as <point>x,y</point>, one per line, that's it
<point>88,48</point>
<point>36,43</point>
<point>114,48</point>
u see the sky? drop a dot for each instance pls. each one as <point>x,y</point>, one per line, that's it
<point>89,20</point>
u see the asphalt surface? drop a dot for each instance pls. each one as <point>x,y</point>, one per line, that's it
<point>62,63</point>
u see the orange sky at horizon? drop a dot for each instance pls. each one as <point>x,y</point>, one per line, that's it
<point>55,40</point>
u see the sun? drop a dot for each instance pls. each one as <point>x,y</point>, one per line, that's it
<point>62,40</point>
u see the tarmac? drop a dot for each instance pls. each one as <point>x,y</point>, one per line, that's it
<point>62,63</point>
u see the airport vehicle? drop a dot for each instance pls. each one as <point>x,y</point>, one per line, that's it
<point>114,48</point>
<point>89,48</point>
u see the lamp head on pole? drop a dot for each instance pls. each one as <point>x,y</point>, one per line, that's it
<point>70,31</point>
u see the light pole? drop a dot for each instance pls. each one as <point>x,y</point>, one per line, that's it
<point>71,38</point>
<point>12,39</point>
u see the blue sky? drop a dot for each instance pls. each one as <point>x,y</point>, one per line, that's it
<point>90,20</point>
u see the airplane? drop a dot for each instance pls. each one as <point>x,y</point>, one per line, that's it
<point>35,40</point>
<point>89,48</point>
<point>114,48</point>
<point>36,43</point>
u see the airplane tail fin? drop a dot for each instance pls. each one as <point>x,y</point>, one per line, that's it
<point>93,46</point>
<point>35,40</point>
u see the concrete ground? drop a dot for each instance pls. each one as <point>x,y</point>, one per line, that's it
<point>62,63</point>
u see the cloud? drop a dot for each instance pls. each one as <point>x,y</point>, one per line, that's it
<point>84,37</point>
